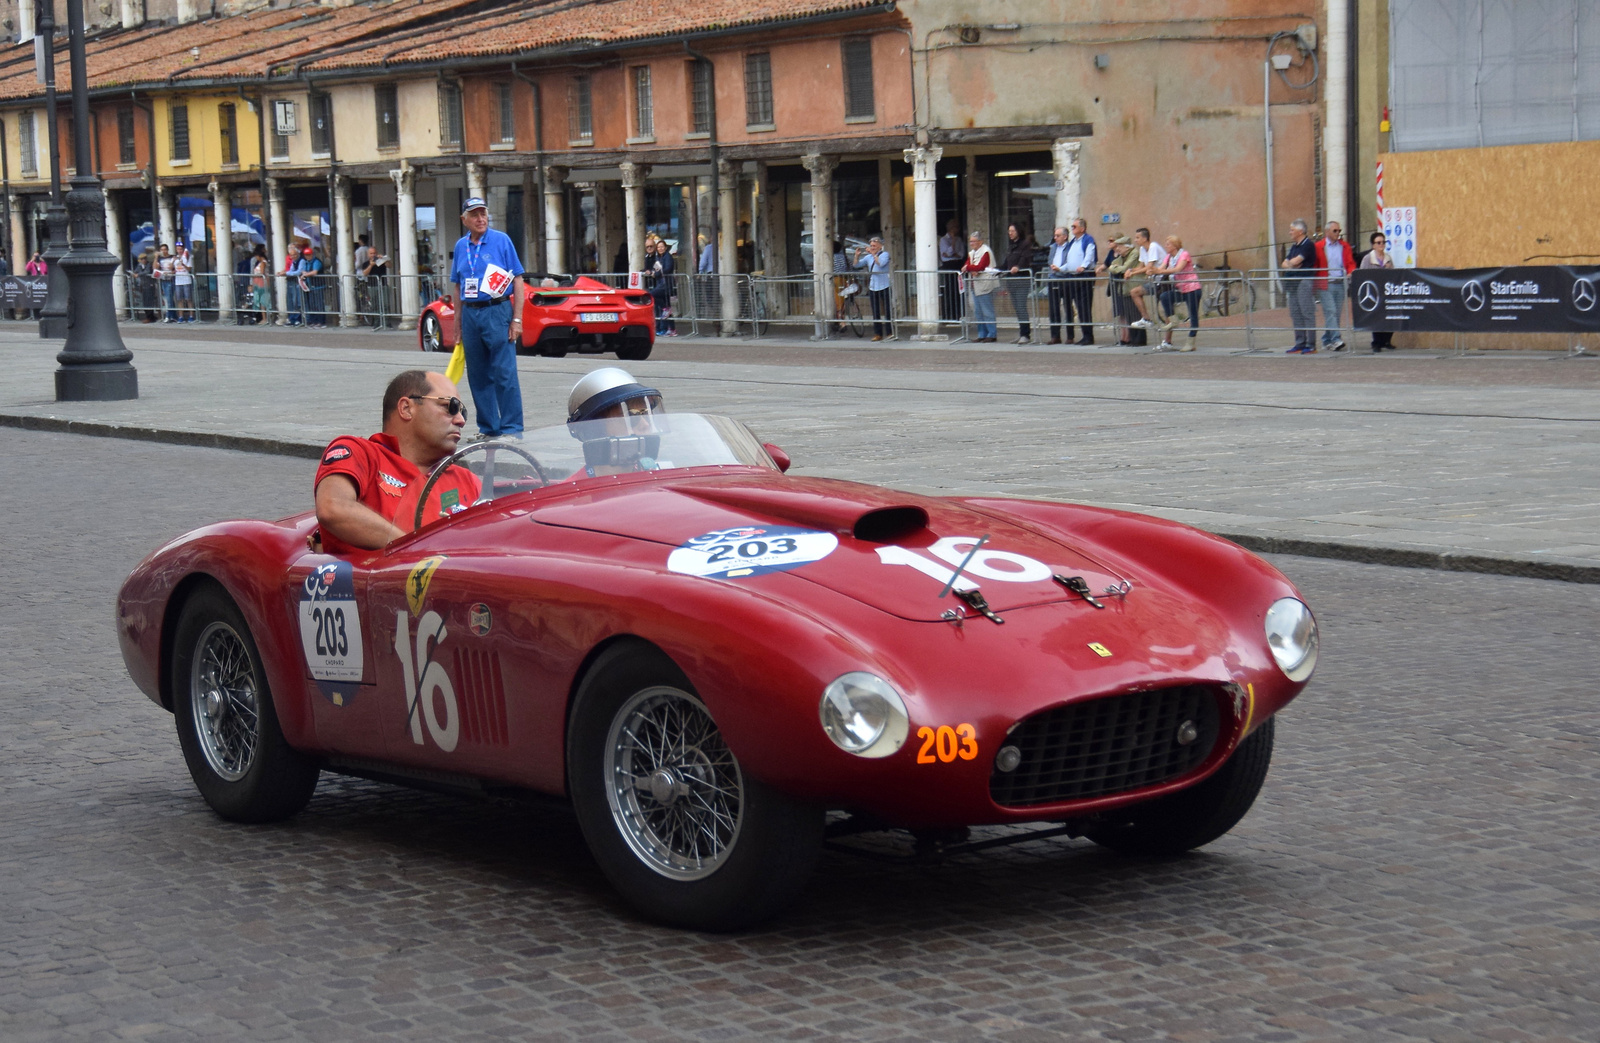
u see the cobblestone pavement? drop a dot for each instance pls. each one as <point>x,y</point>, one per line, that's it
<point>1502,472</point>
<point>1421,864</point>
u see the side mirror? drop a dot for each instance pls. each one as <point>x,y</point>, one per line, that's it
<point>779,457</point>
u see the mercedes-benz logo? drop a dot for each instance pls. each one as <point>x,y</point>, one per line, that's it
<point>1583,295</point>
<point>1472,296</point>
<point>1367,296</point>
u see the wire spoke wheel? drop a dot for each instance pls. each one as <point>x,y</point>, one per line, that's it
<point>674,787</point>
<point>225,702</point>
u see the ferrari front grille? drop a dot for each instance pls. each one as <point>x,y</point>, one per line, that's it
<point>1103,746</point>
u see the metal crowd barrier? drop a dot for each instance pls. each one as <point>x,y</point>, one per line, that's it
<point>1286,307</point>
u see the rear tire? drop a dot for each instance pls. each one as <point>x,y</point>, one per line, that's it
<point>432,333</point>
<point>1198,815</point>
<point>681,832</point>
<point>635,354</point>
<point>227,725</point>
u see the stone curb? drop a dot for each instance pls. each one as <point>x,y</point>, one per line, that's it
<point>207,440</point>
<point>1399,557</point>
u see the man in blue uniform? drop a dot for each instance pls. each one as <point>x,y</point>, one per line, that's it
<point>488,282</point>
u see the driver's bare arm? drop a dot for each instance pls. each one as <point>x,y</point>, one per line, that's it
<point>341,513</point>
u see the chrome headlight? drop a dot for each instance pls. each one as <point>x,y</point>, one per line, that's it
<point>1292,636</point>
<point>864,715</point>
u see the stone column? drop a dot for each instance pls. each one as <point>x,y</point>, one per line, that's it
<point>728,244</point>
<point>169,220</point>
<point>222,218</point>
<point>475,182</point>
<point>19,235</point>
<point>978,206</point>
<point>770,232</point>
<point>892,208</point>
<point>1069,182</point>
<point>555,218</point>
<point>529,247</point>
<point>611,227</point>
<point>345,245</point>
<point>405,185</point>
<point>924,178</point>
<point>633,175</point>
<point>118,246</point>
<point>280,242</point>
<point>821,168</point>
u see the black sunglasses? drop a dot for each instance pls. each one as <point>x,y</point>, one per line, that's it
<point>452,405</point>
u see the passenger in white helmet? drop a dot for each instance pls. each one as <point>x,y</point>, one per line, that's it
<point>627,441</point>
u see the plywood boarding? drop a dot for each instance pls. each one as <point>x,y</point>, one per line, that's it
<point>1483,207</point>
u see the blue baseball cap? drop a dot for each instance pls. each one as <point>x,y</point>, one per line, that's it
<point>473,203</point>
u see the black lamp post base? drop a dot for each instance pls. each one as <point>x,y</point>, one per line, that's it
<point>52,327</point>
<point>109,382</point>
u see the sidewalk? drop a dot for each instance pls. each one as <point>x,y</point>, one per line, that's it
<point>1481,475</point>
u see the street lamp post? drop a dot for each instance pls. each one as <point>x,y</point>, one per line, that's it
<point>53,315</point>
<point>95,365</point>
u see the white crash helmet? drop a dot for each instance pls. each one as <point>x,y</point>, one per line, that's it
<point>599,390</point>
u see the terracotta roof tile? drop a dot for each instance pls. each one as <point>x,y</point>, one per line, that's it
<point>245,46</point>
<point>544,24</point>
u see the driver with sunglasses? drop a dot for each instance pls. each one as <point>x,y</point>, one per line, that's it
<point>367,488</point>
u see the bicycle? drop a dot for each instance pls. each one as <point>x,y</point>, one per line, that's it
<point>1229,290</point>
<point>850,316</point>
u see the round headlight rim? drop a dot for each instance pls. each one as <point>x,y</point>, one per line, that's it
<point>896,728</point>
<point>1299,669</point>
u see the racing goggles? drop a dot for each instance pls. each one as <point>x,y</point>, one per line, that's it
<point>452,405</point>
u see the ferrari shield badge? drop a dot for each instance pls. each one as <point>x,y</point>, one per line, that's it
<point>750,550</point>
<point>330,630</point>
<point>417,583</point>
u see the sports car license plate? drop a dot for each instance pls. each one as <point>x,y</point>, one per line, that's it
<point>597,316</point>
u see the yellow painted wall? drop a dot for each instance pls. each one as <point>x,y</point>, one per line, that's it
<point>1516,204</point>
<point>13,118</point>
<point>205,135</point>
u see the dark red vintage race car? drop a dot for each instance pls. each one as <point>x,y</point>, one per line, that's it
<point>580,315</point>
<point>712,659</point>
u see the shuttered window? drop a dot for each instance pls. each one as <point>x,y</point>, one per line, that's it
<point>508,122</point>
<point>700,96</point>
<point>644,109</point>
<point>857,61</point>
<point>580,118</point>
<point>228,123</point>
<point>449,115</point>
<point>758,89</point>
<point>283,124</point>
<point>30,145</point>
<point>321,114</point>
<point>126,153</point>
<point>386,105</point>
<point>178,115</point>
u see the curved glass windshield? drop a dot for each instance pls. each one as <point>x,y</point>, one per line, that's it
<point>598,448</point>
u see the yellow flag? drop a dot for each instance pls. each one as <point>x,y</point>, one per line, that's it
<point>458,365</point>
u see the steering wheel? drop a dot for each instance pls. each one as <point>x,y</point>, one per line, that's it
<point>490,448</point>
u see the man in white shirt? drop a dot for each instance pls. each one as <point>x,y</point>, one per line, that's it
<point>1147,278</point>
<point>1078,255</point>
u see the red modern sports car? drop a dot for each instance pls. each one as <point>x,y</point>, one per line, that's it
<point>719,664</point>
<point>579,314</point>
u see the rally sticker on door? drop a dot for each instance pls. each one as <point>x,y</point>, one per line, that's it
<point>750,550</point>
<point>330,630</point>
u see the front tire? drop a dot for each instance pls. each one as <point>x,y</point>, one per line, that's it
<point>1198,815</point>
<point>227,726</point>
<point>676,825</point>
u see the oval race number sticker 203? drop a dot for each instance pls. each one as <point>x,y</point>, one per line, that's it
<point>330,630</point>
<point>750,550</point>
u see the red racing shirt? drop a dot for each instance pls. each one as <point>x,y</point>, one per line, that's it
<point>390,484</point>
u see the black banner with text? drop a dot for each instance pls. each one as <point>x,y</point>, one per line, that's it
<point>1544,299</point>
